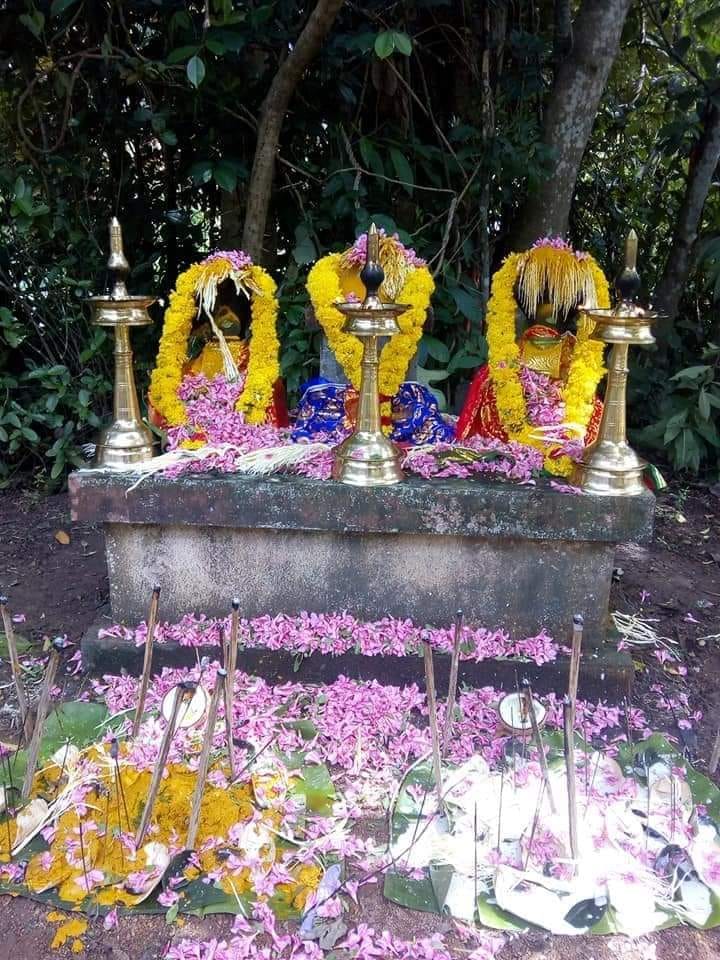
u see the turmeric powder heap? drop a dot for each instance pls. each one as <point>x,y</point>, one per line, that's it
<point>77,836</point>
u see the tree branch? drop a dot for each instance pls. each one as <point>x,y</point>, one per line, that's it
<point>570,114</point>
<point>704,162</point>
<point>272,115</point>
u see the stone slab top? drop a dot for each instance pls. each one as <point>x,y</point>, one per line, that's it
<point>466,508</point>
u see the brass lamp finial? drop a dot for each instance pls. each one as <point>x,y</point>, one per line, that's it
<point>117,261</point>
<point>628,282</point>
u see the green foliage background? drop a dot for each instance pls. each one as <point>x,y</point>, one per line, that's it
<point>425,116</point>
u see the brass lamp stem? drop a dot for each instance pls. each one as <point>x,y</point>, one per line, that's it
<point>125,398</point>
<point>369,420</point>
<point>613,423</point>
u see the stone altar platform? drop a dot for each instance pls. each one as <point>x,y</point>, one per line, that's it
<point>518,557</point>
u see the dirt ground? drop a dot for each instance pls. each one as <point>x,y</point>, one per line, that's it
<point>54,573</point>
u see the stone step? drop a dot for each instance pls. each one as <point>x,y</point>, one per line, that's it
<point>605,674</point>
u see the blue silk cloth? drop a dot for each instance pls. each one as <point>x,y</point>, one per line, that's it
<point>326,412</point>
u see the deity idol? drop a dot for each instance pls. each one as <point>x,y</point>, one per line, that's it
<point>222,319</point>
<point>539,385</point>
<point>409,410</point>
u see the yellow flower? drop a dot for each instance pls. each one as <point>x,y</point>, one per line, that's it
<point>586,367</point>
<point>329,281</point>
<point>263,366</point>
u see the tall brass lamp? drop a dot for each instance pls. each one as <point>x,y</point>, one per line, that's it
<point>128,439</point>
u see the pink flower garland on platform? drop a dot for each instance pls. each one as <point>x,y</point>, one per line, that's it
<point>339,633</point>
<point>212,419</point>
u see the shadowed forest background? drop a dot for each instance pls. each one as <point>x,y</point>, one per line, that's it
<point>470,128</point>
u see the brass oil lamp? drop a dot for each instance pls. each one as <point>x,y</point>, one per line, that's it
<point>127,440</point>
<point>609,466</point>
<point>367,458</point>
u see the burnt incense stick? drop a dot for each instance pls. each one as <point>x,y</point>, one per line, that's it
<point>230,666</point>
<point>574,675</point>
<point>43,706</point>
<point>119,789</point>
<point>715,755</point>
<point>417,824</point>
<point>475,859</point>
<point>502,784</point>
<point>181,692</point>
<point>147,660</point>
<point>536,820</point>
<point>530,707</point>
<point>628,730</point>
<point>569,732</point>
<point>255,756</point>
<point>432,710</point>
<point>452,685</point>
<point>25,716</point>
<point>204,762</point>
<point>82,854</point>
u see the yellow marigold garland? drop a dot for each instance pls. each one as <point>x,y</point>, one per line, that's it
<point>325,287</point>
<point>586,367</point>
<point>263,367</point>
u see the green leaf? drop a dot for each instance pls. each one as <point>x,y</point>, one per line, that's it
<point>21,642</point>
<point>306,728</point>
<point>371,158</point>
<point>692,373</point>
<point>468,302</point>
<point>317,788</point>
<point>466,361</point>
<point>426,376</point>
<point>384,44</point>
<point>34,22</point>
<point>201,171</point>
<point>492,916</point>
<point>181,53</point>
<point>75,721</point>
<point>304,250</point>
<point>403,43</point>
<point>403,170</point>
<point>704,405</point>
<point>60,6</point>
<point>225,176</point>
<point>436,348</point>
<point>415,894</point>
<point>195,71</point>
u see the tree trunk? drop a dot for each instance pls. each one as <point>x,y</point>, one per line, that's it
<point>703,164</point>
<point>569,116</point>
<point>272,114</point>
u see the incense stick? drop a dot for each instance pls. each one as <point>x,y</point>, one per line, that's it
<point>577,638</point>
<point>119,789</point>
<point>530,705</point>
<point>25,718</point>
<point>715,755</point>
<point>147,661</point>
<point>230,666</point>
<point>42,711</point>
<point>475,860</point>
<point>536,820</point>
<point>432,709</point>
<point>568,716</point>
<point>181,690</point>
<point>204,762</point>
<point>452,686</point>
